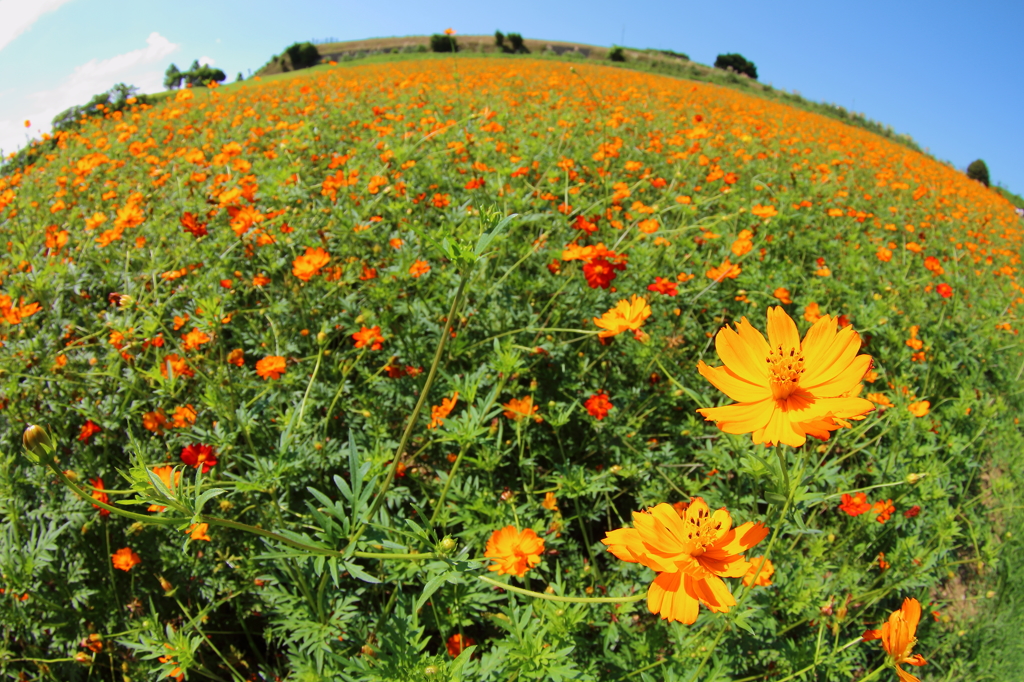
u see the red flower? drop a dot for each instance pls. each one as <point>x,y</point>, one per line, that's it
<point>193,226</point>
<point>598,405</point>
<point>585,225</point>
<point>912,512</point>
<point>456,644</point>
<point>944,290</point>
<point>369,336</point>
<point>855,505</point>
<point>663,286</point>
<point>89,429</point>
<point>99,495</point>
<point>600,273</point>
<point>194,455</point>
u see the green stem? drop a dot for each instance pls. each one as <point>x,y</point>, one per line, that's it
<point>447,484</point>
<point>379,501</point>
<point>567,600</point>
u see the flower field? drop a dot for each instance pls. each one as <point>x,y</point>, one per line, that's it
<point>503,369</point>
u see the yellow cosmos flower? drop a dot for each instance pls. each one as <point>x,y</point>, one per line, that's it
<point>786,389</point>
<point>692,550</point>
<point>898,637</point>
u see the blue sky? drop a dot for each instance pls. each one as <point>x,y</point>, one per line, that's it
<point>949,74</point>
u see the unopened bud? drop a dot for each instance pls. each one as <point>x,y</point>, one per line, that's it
<point>226,505</point>
<point>431,670</point>
<point>136,528</point>
<point>165,584</point>
<point>37,443</point>
<point>83,658</point>
<point>447,545</point>
<point>125,301</point>
<point>321,338</point>
<point>914,478</point>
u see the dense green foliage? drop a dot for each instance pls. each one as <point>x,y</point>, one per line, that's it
<point>978,170</point>
<point>737,63</point>
<point>357,226</point>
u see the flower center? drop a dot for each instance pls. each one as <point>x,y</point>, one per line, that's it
<point>701,531</point>
<point>784,369</point>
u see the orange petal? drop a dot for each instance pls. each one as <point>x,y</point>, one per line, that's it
<point>672,595</point>
<point>782,330</point>
<point>733,385</point>
<point>741,357</point>
<point>740,417</point>
<point>745,536</point>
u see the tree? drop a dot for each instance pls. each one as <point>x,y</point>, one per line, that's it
<point>737,63</point>
<point>978,171</point>
<point>617,55</point>
<point>172,78</point>
<point>516,41</point>
<point>499,39</point>
<point>303,55</point>
<point>439,42</point>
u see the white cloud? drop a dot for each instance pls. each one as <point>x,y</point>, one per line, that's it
<point>17,16</point>
<point>205,61</point>
<point>143,68</point>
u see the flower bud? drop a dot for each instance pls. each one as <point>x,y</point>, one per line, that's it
<point>36,442</point>
<point>321,338</point>
<point>447,545</point>
<point>914,478</point>
<point>431,670</point>
<point>125,301</point>
<point>83,658</point>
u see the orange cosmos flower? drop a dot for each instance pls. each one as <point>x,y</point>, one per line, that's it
<point>782,294</point>
<point>514,552</point>
<point>88,430</point>
<point>598,405</point>
<point>691,553</point>
<point>812,313</point>
<point>726,270</point>
<point>369,336</point>
<point>550,501</point>
<point>170,478</point>
<point>764,577</point>
<point>236,357</point>
<point>786,388</point>
<point>193,339</point>
<point>898,638</point>
<point>124,559</point>
<point>879,399</point>
<point>919,408</point>
<point>271,367</point>
<point>944,290</point>
<point>99,495</point>
<point>197,531</point>
<point>625,315</point>
<point>519,408</point>
<point>764,211</point>
<point>155,421</point>
<point>456,644</point>
<point>419,268</point>
<point>438,413</point>
<point>883,509</point>
<point>184,416</point>
<point>309,264</point>
<point>883,254</point>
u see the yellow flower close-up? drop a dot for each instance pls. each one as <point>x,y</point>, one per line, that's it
<point>786,389</point>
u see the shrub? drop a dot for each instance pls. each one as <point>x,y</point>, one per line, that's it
<point>516,42</point>
<point>303,55</point>
<point>617,55</point>
<point>499,39</point>
<point>439,42</point>
<point>737,63</point>
<point>978,171</point>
